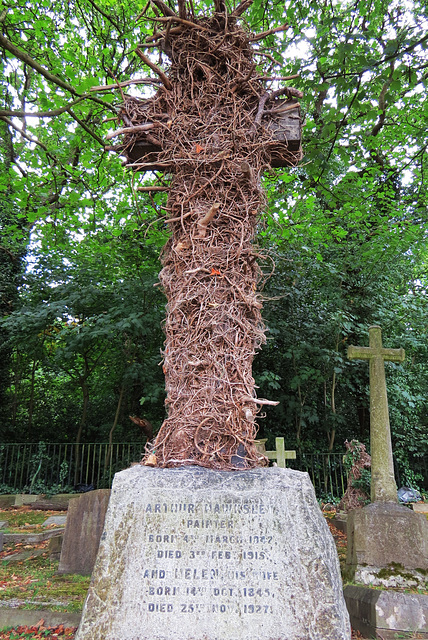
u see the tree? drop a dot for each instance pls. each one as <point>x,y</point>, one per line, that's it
<point>345,229</point>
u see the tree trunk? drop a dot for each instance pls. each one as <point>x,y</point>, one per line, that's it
<point>31,400</point>
<point>107,459</point>
<point>77,457</point>
<point>16,385</point>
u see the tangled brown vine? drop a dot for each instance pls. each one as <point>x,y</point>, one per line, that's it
<point>211,124</point>
<point>358,460</point>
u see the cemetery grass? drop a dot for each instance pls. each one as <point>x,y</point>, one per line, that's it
<point>32,583</point>
<point>25,520</point>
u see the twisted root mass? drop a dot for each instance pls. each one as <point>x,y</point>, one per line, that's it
<point>205,128</point>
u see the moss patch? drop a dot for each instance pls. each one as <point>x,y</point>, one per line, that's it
<point>32,583</point>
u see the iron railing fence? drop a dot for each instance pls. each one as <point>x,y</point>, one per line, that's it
<point>33,467</point>
<point>30,466</point>
<point>326,470</point>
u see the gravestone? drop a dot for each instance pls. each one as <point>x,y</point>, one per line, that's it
<point>387,545</point>
<point>54,547</point>
<point>383,487</point>
<point>192,553</point>
<point>387,542</point>
<point>83,529</point>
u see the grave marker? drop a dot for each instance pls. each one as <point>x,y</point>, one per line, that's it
<point>83,529</point>
<point>193,553</point>
<point>383,487</point>
<point>280,454</point>
<point>387,542</point>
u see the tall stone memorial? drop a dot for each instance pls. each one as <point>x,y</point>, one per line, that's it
<point>197,554</point>
<point>384,538</point>
<point>383,487</point>
<point>207,545</point>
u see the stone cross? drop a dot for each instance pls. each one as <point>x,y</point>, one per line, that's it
<point>281,455</point>
<point>383,487</point>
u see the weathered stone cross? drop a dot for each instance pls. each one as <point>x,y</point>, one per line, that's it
<point>383,487</point>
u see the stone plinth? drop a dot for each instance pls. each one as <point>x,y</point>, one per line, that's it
<point>387,545</point>
<point>192,554</point>
<point>387,615</point>
<point>83,529</point>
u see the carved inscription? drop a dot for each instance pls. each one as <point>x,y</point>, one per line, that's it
<point>210,558</point>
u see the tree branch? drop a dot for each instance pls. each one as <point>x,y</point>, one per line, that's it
<point>290,92</point>
<point>40,114</point>
<point>164,8</point>
<point>87,129</point>
<point>182,9</point>
<point>241,8</point>
<point>22,55</point>
<point>260,36</point>
<point>338,128</point>
<point>9,253</point>
<point>23,134</point>
<point>382,104</point>
<point>390,58</point>
<point>125,83</point>
<point>219,6</point>
<point>106,16</point>
<point>134,129</point>
<point>188,23</point>
<point>154,68</point>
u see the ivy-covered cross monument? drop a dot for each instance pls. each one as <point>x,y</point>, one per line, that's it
<point>212,127</point>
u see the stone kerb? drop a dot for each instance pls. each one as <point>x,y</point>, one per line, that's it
<point>195,553</point>
<point>387,615</point>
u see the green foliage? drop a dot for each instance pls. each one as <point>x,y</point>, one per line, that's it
<point>345,231</point>
<point>352,455</point>
<point>364,482</point>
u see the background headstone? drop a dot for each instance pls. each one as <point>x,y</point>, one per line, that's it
<point>83,529</point>
<point>383,535</point>
<point>54,547</point>
<point>26,498</point>
<point>7,501</point>
<point>195,553</point>
<point>60,520</point>
<point>420,507</point>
